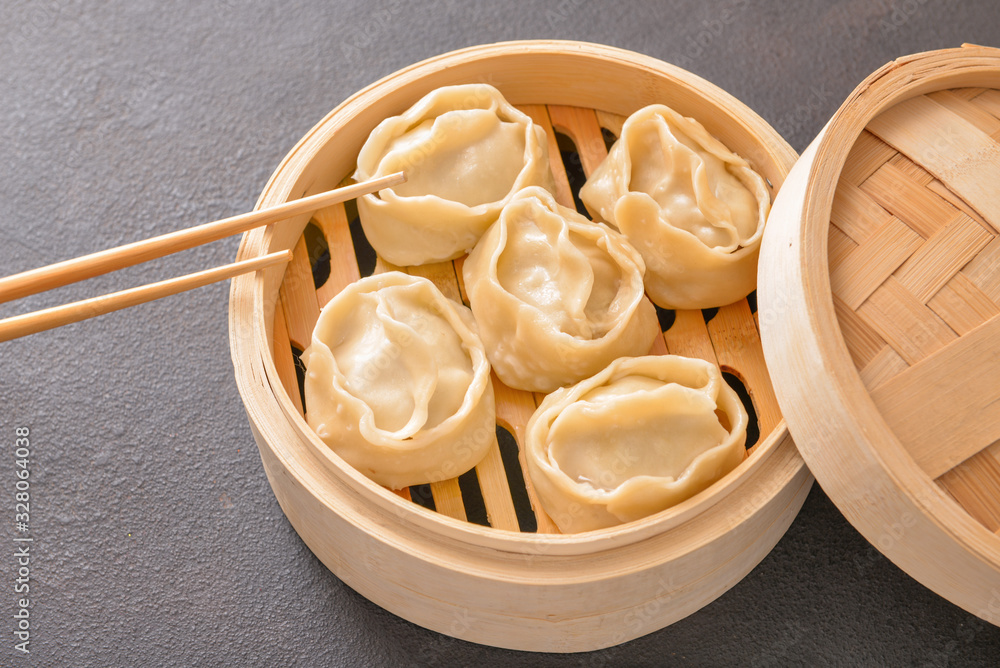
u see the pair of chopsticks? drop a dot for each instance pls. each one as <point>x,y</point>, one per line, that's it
<point>70,271</point>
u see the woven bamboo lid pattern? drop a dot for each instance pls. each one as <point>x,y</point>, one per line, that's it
<point>880,297</point>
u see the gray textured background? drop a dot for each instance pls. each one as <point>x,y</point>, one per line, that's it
<point>157,539</point>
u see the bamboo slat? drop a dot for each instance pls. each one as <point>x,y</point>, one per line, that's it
<point>856,214</point>
<point>298,298</point>
<point>582,127</point>
<point>540,115</point>
<point>860,271</point>
<point>962,156</point>
<point>896,191</point>
<point>337,232</point>
<point>951,397</point>
<point>283,360</point>
<point>963,305</point>
<point>689,337</point>
<point>868,154</point>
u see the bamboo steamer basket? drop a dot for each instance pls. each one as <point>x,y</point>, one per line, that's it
<point>880,311</point>
<point>533,589</point>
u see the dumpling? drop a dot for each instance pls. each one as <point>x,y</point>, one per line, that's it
<point>557,297</point>
<point>694,209</point>
<point>465,151</point>
<point>640,436</point>
<point>397,382</point>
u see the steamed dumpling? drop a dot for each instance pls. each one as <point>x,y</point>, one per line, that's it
<point>465,151</point>
<point>397,382</point>
<point>694,209</point>
<point>640,436</point>
<point>557,297</point>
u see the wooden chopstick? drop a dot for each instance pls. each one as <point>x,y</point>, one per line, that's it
<point>70,271</point>
<point>29,323</point>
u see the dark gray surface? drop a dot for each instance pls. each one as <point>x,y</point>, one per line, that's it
<point>157,539</point>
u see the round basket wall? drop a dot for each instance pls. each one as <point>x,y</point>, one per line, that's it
<point>475,557</point>
<point>880,305</point>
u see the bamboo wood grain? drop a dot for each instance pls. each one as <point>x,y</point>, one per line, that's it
<point>884,366</point>
<point>951,397</point>
<point>529,591</point>
<point>856,214</point>
<point>582,127</point>
<point>896,191</point>
<point>448,498</point>
<point>659,346</point>
<point>496,491</point>
<point>915,174</point>
<point>540,115</point>
<point>928,269</point>
<point>963,305</point>
<point>31,323</point>
<point>989,101</point>
<point>961,155</point>
<point>738,349</point>
<point>283,361</point>
<point>689,337</point>
<point>298,298</point>
<point>613,123</point>
<point>967,92</point>
<point>863,342</point>
<point>906,324</point>
<point>973,113</point>
<point>941,190</point>
<point>514,409</point>
<point>976,486</point>
<point>868,154</point>
<point>442,275</point>
<point>982,270</point>
<point>337,232</point>
<point>841,247</point>
<point>859,272</point>
<point>70,271</point>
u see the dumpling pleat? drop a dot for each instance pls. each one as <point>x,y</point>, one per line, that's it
<point>635,439</point>
<point>693,209</point>
<point>397,382</point>
<point>556,296</point>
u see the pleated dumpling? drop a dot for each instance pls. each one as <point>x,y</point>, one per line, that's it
<point>397,382</point>
<point>694,209</point>
<point>557,297</point>
<point>465,151</point>
<point>640,436</point>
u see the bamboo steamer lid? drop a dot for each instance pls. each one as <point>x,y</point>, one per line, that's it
<point>880,313</point>
<point>509,583</point>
